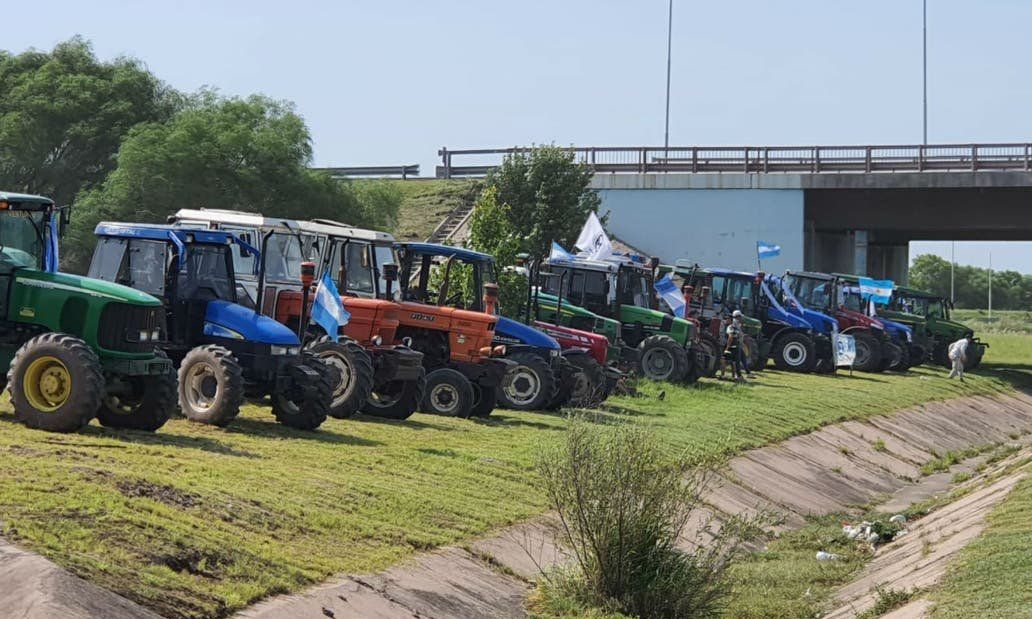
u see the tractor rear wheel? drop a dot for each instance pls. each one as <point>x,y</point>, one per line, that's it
<point>307,404</point>
<point>397,399</point>
<point>661,358</point>
<point>868,353</point>
<point>707,354</point>
<point>752,354</point>
<point>532,386</point>
<point>795,352</point>
<point>354,370</point>
<point>147,406</point>
<point>589,384</point>
<point>56,383</point>
<point>904,360</point>
<point>892,356</point>
<point>448,393</point>
<point>211,385</point>
<point>484,401</point>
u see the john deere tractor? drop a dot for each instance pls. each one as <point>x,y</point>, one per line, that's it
<point>929,316</point>
<point>78,348</point>
<point>621,289</point>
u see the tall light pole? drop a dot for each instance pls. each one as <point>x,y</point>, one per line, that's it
<point>990,286</point>
<point>924,70</point>
<point>953,262</point>
<point>669,41</point>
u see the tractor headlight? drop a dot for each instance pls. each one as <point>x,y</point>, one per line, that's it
<point>555,352</point>
<point>284,350</point>
<point>377,340</point>
<point>145,336</point>
<point>910,336</point>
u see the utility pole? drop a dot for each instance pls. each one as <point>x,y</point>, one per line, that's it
<point>953,265</point>
<point>990,286</point>
<point>924,68</point>
<point>669,41</point>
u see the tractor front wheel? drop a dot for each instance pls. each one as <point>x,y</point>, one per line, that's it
<point>355,374</point>
<point>56,383</point>
<point>147,405</point>
<point>868,353</point>
<point>307,403</point>
<point>532,386</point>
<point>448,393</point>
<point>589,384</point>
<point>211,385</point>
<point>397,399</point>
<point>795,352</point>
<point>484,401</point>
<point>707,355</point>
<point>661,358</point>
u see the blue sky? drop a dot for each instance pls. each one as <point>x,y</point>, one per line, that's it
<point>391,82</point>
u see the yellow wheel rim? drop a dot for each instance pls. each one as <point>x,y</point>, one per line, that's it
<point>47,384</point>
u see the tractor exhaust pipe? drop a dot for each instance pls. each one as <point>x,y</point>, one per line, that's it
<point>491,299</point>
<point>307,278</point>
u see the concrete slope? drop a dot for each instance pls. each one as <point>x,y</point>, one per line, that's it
<point>838,468</point>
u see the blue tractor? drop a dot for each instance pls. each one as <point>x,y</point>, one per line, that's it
<point>823,327</point>
<point>225,352</point>
<point>540,371</point>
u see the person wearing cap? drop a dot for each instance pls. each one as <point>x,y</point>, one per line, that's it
<point>733,348</point>
<point>743,358</point>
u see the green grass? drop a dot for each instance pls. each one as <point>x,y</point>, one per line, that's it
<point>1002,321</point>
<point>196,521</point>
<point>426,203</point>
<point>993,575</point>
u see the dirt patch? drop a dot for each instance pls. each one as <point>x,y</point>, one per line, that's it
<point>194,561</point>
<point>169,495</point>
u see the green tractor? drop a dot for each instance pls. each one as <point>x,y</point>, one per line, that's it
<point>621,290</point>
<point>929,316</point>
<point>78,348</point>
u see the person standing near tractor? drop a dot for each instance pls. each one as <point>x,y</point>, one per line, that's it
<point>743,358</point>
<point>733,347</point>
<point>958,356</point>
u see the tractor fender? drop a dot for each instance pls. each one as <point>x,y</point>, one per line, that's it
<point>510,332</point>
<point>232,321</point>
<point>788,329</point>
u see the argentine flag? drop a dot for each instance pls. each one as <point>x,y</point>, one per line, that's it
<point>668,291</point>
<point>327,311</point>
<point>558,253</point>
<point>767,250</point>
<point>878,290</point>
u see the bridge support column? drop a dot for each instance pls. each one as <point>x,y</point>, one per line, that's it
<point>860,238</point>
<point>889,262</point>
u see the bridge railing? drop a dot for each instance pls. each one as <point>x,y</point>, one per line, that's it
<point>382,171</point>
<point>763,159</point>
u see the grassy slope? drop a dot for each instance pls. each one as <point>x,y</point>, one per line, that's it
<point>198,521</point>
<point>993,576</point>
<point>426,203</point>
<point>1006,321</point>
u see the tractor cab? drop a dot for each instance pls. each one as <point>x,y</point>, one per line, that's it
<point>224,349</point>
<point>929,315</point>
<point>901,332</point>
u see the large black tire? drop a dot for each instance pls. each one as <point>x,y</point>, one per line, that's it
<point>868,353</point>
<point>661,358</point>
<point>56,383</point>
<point>397,399</point>
<point>589,384</point>
<point>795,352</point>
<point>306,404</point>
<point>532,386</point>
<point>707,354</point>
<point>904,360</point>
<point>147,407</point>
<point>448,393</point>
<point>354,368</point>
<point>484,401</point>
<point>975,358</point>
<point>752,354</point>
<point>211,385</point>
<point>892,356</point>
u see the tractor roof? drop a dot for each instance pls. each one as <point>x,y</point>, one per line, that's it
<point>163,232</point>
<point>730,273</point>
<point>316,226</point>
<point>24,200</point>
<point>447,251</point>
<point>921,294</point>
<point>584,263</point>
<point>811,275</point>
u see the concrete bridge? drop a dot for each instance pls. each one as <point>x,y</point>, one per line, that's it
<point>844,208</point>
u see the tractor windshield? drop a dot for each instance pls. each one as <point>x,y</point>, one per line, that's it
<point>583,287</point>
<point>351,266</point>
<point>21,239</point>
<point>813,293</point>
<point>738,288</point>
<point>385,255</point>
<point>634,288</point>
<point>284,254</point>
<point>207,274</point>
<point>137,263</point>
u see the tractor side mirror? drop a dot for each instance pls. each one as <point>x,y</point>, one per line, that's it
<point>389,271</point>
<point>307,273</point>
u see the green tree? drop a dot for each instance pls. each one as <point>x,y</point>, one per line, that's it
<point>64,113</point>
<point>547,196</point>
<point>245,154</point>
<point>380,202</point>
<point>1011,290</point>
<point>492,232</point>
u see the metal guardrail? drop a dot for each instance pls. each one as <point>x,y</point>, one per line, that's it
<point>396,171</point>
<point>764,159</point>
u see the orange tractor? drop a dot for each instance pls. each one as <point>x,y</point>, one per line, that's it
<point>379,374</point>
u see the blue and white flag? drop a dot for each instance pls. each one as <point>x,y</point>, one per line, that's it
<point>667,290</point>
<point>767,250</point>
<point>327,311</point>
<point>52,252</point>
<point>558,253</point>
<point>878,290</point>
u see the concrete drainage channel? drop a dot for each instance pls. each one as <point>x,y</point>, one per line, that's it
<point>832,470</point>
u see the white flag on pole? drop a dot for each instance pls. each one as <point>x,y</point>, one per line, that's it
<point>593,242</point>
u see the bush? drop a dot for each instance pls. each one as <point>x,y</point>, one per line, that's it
<point>622,507</point>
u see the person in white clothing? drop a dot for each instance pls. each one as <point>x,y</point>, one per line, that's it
<point>958,355</point>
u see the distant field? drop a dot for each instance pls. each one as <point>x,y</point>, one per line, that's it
<point>1005,322</point>
<point>196,521</point>
<point>427,202</point>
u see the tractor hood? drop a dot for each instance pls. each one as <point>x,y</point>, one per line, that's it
<point>897,330</point>
<point>229,320</point>
<point>84,285</point>
<point>512,332</point>
<point>859,319</point>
